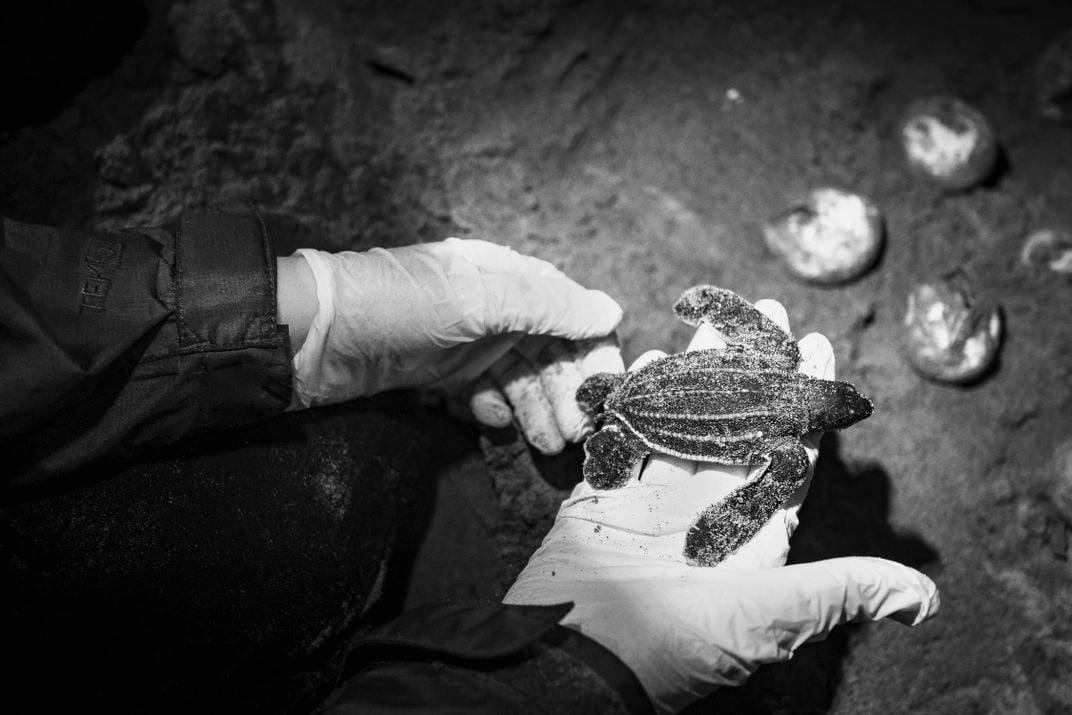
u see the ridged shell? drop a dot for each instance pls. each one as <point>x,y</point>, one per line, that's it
<point>708,405</point>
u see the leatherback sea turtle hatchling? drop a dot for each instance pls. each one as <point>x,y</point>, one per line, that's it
<point>739,405</point>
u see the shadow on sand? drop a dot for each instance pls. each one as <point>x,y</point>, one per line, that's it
<point>846,514</point>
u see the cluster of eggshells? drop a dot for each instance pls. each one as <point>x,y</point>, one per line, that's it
<point>950,336</point>
<point>832,236</point>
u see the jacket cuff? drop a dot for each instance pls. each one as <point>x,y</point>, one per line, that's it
<point>607,665</point>
<point>228,356</point>
<point>211,355</point>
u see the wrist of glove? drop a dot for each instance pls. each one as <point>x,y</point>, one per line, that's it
<point>465,317</point>
<point>686,630</point>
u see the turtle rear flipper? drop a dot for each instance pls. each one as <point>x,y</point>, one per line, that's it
<point>739,322</point>
<point>609,457</point>
<point>724,527</point>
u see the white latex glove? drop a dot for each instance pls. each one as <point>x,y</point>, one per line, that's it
<point>452,315</point>
<point>686,630</point>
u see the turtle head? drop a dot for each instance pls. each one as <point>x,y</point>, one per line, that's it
<point>839,405</point>
<point>594,391</point>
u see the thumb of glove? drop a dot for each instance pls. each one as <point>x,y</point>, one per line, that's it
<point>724,624</point>
<point>804,602</point>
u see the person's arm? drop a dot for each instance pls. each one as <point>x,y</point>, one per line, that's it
<point>112,342</point>
<point>115,342</point>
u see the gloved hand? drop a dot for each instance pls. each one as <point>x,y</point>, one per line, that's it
<point>686,630</point>
<point>456,315</point>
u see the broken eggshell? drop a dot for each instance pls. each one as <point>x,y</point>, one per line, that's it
<point>830,237</point>
<point>1048,249</point>
<point>949,141</point>
<point>948,336</point>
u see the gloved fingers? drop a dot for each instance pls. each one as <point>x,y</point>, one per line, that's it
<point>665,500</point>
<point>560,376</point>
<point>809,363</point>
<point>645,358</point>
<point>561,366</point>
<point>562,308</point>
<point>601,354</point>
<point>523,293</point>
<point>520,383</point>
<point>706,337</point>
<point>775,311</point>
<point>816,356</point>
<point>619,517</point>
<point>816,360</point>
<point>489,405</point>
<point>666,471</point>
<point>796,604</point>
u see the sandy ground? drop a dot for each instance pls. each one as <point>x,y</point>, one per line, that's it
<point>640,146</point>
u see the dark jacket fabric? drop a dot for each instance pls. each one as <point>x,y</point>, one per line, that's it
<point>116,342</point>
<point>498,658</point>
<point>228,573</point>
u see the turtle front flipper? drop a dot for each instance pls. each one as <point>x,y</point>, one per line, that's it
<point>609,456</point>
<point>739,322</point>
<point>724,527</point>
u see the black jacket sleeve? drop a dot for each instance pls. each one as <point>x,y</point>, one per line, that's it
<point>447,657</point>
<point>113,342</point>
